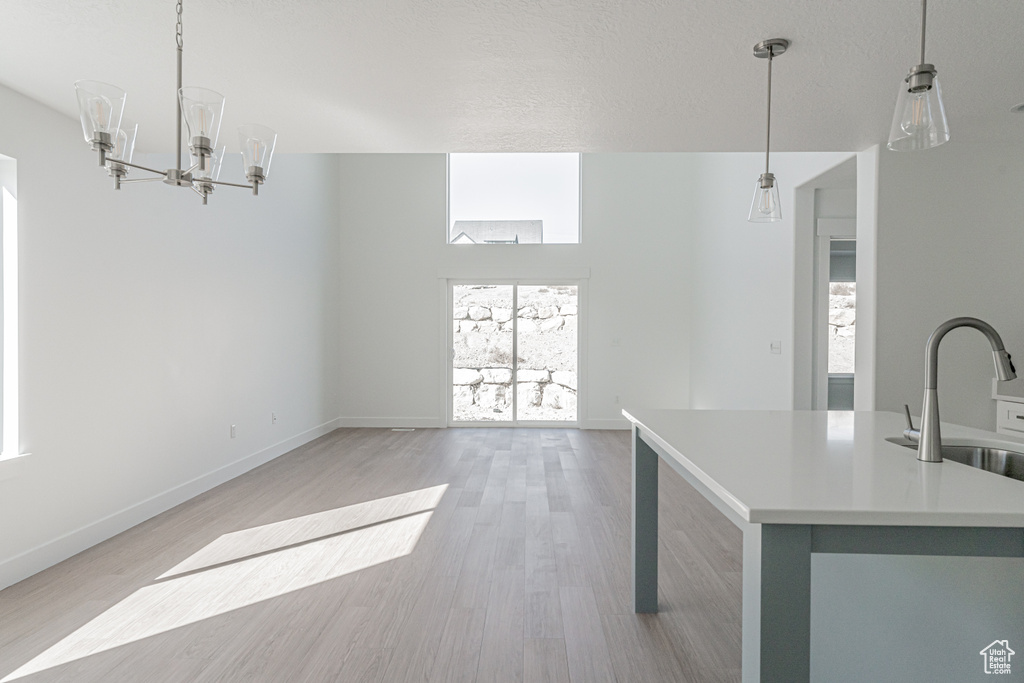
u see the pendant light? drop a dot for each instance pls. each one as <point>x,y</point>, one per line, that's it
<point>920,118</point>
<point>766,208</point>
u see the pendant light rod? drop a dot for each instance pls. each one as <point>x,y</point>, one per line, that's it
<point>924,17</point>
<point>177,105</point>
<point>768,128</point>
<point>769,49</point>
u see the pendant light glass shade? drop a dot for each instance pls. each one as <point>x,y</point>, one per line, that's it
<point>920,119</point>
<point>100,106</point>
<point>202,110</point>
<point>766,207</point>
<point>257,143</point>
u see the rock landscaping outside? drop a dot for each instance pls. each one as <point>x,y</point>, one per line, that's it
<point>546,318</point>
<point>842,325</point>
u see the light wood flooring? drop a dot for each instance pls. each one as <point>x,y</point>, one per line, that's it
<point>373,555</point>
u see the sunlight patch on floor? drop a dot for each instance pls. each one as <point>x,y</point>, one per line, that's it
<point>269,537</point>
<point>251,566</point>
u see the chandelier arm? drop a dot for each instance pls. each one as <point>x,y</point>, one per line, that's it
<point>141,168</point>
<point>221,182</point>
<point>141,180</point>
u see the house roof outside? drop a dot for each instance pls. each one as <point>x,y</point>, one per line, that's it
<point>498,232</point>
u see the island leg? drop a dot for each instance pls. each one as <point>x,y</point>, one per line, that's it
<point>776,603</point>
<point>645,526</point>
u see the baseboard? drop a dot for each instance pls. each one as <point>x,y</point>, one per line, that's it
<point>613,423</point>
<point>390,422</point>
<point>433,423</point>
<point>61,548</point>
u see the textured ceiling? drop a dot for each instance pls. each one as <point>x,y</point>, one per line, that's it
<point>527,75</point>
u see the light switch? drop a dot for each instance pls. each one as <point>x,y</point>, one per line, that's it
<point>777,347</point>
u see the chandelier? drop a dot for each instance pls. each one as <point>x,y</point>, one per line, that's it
<point>101,106</point>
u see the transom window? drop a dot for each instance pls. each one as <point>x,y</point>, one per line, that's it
<point>512,198</point>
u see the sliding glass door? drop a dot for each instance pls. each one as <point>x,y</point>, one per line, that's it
<point>482,368</point>
<point>514,353</point>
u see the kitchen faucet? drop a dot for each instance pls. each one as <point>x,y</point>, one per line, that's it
<point>928,436</point>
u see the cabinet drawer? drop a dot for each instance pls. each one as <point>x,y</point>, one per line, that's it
<point>1010,416</point>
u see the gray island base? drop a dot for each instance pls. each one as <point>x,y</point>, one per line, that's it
<point>931,512</point>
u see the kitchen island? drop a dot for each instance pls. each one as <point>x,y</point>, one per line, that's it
<point>805,482</point>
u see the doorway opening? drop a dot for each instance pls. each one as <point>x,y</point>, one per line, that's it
<point>842,322</point>
<point>514,356</point>
<point>826,253</point>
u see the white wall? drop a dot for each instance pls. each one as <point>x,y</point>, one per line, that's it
<point>866,362</point>
<point>950,243</point>
<point>393,251</point>
<point>743,282</point>
<point>149,324</point>
<point>694,292</point>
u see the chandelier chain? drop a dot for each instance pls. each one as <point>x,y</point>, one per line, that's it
<point>177,106</point>
<point>178,27</point>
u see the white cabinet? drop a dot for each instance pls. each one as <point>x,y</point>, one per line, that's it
<point>1010,418</point>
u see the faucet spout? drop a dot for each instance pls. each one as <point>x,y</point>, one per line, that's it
<point>930,448</point>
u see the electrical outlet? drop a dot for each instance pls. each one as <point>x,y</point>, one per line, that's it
<point>273,418</point>
<point>232,431</point>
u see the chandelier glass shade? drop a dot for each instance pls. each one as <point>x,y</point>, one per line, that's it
<point>202,110</point>
<point>212,169</point>
<point>124,143</point>
<point>101,106</point>
<point>257,143</point>
<point>124,147</point>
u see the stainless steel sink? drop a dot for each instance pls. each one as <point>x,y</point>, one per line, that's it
<point>991,459</point>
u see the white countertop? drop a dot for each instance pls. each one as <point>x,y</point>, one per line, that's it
<point>817,467</point>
